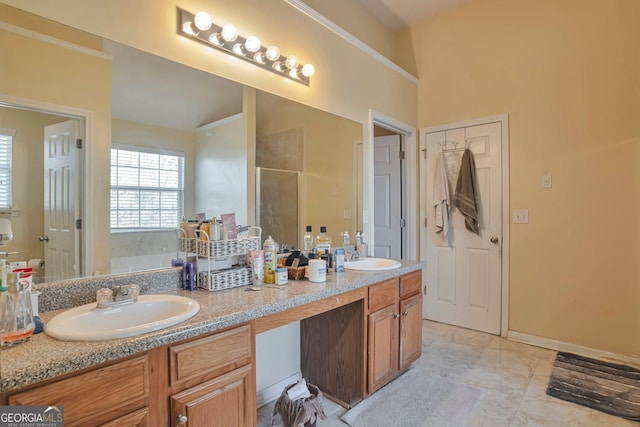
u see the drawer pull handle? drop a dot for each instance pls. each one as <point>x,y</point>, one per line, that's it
<point>181,420</point>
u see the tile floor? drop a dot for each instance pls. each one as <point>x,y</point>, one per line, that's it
<point>513,379</point>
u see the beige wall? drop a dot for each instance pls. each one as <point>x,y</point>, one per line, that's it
<point>28,180</point>
<point>328,181</point>
<point>567,73</point>
<point>31,70</point>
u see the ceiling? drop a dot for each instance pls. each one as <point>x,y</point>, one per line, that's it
<point>398,14</point>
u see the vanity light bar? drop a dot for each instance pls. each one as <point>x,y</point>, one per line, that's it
<point>200,28</point>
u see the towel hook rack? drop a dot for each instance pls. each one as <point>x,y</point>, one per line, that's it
<point>444,145</point>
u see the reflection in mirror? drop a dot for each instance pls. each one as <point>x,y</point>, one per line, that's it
<point>163,107</point>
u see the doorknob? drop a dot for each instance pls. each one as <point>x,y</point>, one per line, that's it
<point>494,239</point>
<point>43,238</point>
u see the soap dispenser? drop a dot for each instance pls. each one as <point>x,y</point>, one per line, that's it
<point>16,321</point>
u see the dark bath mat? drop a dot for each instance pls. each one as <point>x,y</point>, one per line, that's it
<point>604,386</point>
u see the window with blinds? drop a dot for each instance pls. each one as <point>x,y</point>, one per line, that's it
<point>147,189</point>
<point>6,142</point>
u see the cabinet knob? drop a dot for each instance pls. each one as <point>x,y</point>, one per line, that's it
<point>405,313</point>
<point>397,316</point>
<point>181,420</point>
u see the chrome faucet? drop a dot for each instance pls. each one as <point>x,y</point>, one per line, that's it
<point>119,295</point>
<point>352,254</point>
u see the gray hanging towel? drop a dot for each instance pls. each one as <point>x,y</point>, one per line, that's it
<point>467,197</point>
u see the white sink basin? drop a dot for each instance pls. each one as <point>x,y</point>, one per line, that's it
<point>372,264</point>
<point>149,313</point>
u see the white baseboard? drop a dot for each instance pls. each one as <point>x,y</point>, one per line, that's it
<point>572,348</point>
<point>274,391</point>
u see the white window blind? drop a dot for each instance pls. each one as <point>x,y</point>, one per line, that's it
<point>147,189</point>
<point>5,171</point>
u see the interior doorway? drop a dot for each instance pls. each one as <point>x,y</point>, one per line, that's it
<point>29,119</point>
<point>388,202</point>
<point>408,207</point>
<point>467,274</point>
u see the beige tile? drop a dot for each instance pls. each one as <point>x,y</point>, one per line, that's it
<point>496,409</point>
<point>597,418</point>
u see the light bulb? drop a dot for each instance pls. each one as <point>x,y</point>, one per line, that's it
<point>291,62</point>
<point>238,49</point>
<point>202,21</point>
<point>272,53</point>
<point>229,33</point>
<point>277,66</point>
<point>308,70</point>
<point>293,73</point>
<point>187,27</point>
<point>252,44</point>
<point>216,39</point>
<point>259,57</point>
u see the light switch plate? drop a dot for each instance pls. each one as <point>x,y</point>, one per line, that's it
<point>347,214</point>
<point>546,181</point>
<point>521,216</point>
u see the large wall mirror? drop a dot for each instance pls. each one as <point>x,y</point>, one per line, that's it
<point>300,159</point>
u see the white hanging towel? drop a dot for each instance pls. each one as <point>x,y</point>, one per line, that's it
<point>441,202</point>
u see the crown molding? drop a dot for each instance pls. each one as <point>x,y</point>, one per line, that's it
<point>332,26</point>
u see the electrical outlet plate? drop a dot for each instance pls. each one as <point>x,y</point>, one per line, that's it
<point>521,216</point>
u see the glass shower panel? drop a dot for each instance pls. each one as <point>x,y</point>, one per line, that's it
<point>278,193</point>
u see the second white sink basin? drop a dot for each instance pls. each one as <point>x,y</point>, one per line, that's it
<point>372,264</point>
<point>149,313</point>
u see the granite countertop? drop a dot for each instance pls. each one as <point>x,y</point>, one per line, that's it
<point>44,357</point>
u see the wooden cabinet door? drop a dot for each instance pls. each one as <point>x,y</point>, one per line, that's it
<point>228,400</point>
<point>383,347</point>
<point>410,330</point>
<point>135,419</point>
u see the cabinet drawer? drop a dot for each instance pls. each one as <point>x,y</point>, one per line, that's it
<point>410,283</point>
<point>213,355</point>
<point>383,294</point>
<point>95,397</point>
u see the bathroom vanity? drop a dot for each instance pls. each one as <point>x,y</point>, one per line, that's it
<point>359,330</point>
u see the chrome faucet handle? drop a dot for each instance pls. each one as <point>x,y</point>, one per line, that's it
<point>104,296</point>
<point>126,292</point>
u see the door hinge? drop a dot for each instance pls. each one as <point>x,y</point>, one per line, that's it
<point>401,155</point>
<point>78,224</point>
<point>79,143</point>
<point>424,289</point>
<point>403,223</point>
<point>425,221</point>
<point>424,153</point>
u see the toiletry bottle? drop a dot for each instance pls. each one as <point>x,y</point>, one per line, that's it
<point>307,240</point>
<point>16,322</point>
<point>346,240</point>
<point>323,242</point>
<point>270,260</point>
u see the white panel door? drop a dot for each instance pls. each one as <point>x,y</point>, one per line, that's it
<point>387,197</point>
<point>61,207</point>
<point>464,273</point>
